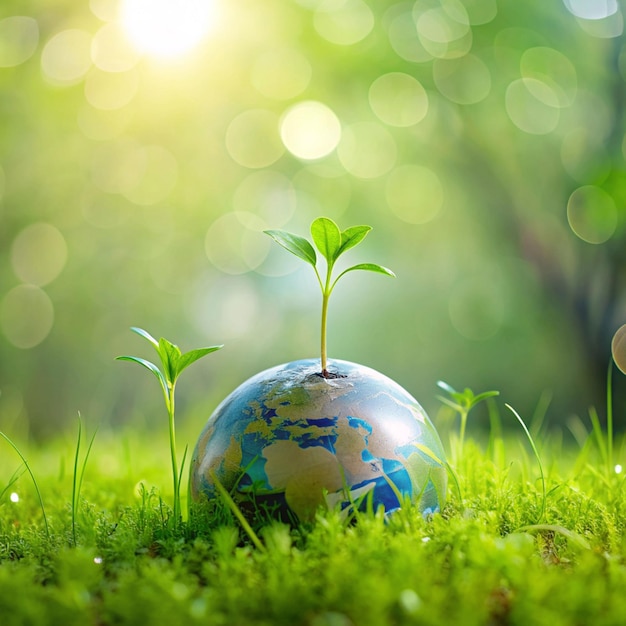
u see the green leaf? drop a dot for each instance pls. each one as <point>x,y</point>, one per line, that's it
<point>352,237</point>
<point>149,366</point>
<point>369,267</point>
<point>453,405</point>
<point>327,237</point>
<point>169,354</point>
<point>443,385</point>
<point>483,396</point>
<point>192,356</point>
<point>146,335</point>
<point>295,244</point>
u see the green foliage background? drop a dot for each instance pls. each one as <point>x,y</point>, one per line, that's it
<point>482,140</point>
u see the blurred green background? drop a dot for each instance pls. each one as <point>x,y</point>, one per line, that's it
<point>145,145</point>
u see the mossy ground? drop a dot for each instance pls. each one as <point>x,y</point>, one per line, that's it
<point>500,553</point>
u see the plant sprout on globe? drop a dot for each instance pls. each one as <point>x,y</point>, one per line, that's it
<point>320,432</point>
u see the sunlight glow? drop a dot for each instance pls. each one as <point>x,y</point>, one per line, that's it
<point>14,497</point>
<point>166,29</point>
<point>618,469</point>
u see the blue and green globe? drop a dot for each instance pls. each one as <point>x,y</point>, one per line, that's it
<point>295,441</point>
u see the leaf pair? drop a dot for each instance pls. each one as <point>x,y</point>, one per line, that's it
<point>463,401</point>
<point>173,361</point>
<point>331,242</point>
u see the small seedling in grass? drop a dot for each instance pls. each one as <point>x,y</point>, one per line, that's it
<point>331,242</point>
<point>173,362</point>
<point>463,402</point>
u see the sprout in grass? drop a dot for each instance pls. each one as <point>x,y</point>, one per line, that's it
<point>331,242</point>
<point>463,402</point>
<point>173,362</point>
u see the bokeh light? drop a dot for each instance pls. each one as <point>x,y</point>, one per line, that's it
<point>367,150</point>
<point>38,254</point>
<point>19,36</point>
<point>109,91</point>
<point>281,73</point>
<point>618,348</point>
<point>532,106</point>
<point>552,68</point>
<point>403,36</point>
<point>398,99</point>
<point>66,57</point>
<point>444,30</point>
<point>466,80</point>
<point>592,214</point>
<point>166,29</point>
<point>414,193</point>
<point>343,22</point>
<point>269,194</point>
<point>235,242</point>
<point>26,316</point>
<point>594,10</point>
<point>310,130</point>
<point>252,139</point>
<point>111,51</point>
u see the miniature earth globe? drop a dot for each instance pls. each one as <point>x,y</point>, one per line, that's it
<point>292,441</point>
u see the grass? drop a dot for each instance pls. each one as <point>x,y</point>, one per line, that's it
<point>532,534</point>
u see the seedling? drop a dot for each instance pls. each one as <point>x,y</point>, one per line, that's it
<point>463,402</point>
<point>173,362</point>
<point>331,242</point>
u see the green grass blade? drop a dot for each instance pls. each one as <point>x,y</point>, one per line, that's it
<point>599,435</point>
<point>236,511</point>
<point>32,476</point>
<point>75,478</point>
<point>575,538</point>
<point>536,453</point>
<point>14,478</point>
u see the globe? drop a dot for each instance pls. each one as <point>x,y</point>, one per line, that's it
<point>293,441</point>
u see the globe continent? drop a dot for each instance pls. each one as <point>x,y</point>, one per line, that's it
<point>293,441</point>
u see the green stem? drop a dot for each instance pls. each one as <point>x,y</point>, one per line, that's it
<point>323,346</point>
<point>326,291</point>
<point>462,431</point>
<point>172,428</point>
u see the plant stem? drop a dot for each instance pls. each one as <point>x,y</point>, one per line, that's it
<point>323,346</point>
<point>172,428</point>
<point>326,291</point>
<point>464,414</point>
